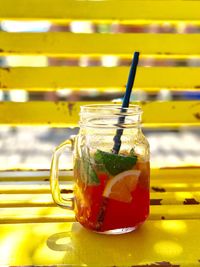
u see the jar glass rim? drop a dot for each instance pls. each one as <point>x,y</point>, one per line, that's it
<point>132,109</point>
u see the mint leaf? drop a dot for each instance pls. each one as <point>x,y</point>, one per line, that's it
<point>114,163</point>
<point>90,175</point>
<point>93,178</point>
<point>99,163</point>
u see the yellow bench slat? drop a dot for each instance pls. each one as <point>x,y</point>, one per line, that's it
<point>99,10</point>
<point>174,186</point>
<point>183,174</point>
<point>167,187</point>
<point>156,186</point>
<point>26,200</point>
<point>187,197</point>
<point>52,78</point>
<point>174,212</point>
<point>38,187</point>
<point>45,200</point>
<point>174,113</point>
<point>33,214</point>
<point>178,173</point>
<point>36,175</point>
<point>61,43</point>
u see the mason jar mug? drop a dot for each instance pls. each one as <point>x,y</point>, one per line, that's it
<point>111,170</point>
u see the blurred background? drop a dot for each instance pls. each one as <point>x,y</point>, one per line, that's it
<point>32,147</point>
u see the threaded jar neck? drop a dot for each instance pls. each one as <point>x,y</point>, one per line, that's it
<point>110,116</point>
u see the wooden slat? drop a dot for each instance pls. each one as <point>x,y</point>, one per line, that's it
<point>174,212</point>
<point>178,173</point>
<point>38,187</point>
<point>56,214</point>
<point>61,43</point>
<point>162,186</point>
<point>35,214</point>
<point>166,186</point>
<point>181,187</point>
<point>25,188</point>
<point>64,114</point>
<point>157,185</point>
<point>187,197</point>
<point>175,181</point>
<point>45,200</point>
<point>33,176</point>
<point>99,10</point>
<point>26,200</point>
<point>53,78</point>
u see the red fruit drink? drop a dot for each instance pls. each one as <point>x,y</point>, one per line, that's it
<point>108,199</point>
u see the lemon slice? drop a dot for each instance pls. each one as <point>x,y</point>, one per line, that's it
<point>120,186</point>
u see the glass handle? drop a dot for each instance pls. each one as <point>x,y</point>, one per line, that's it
<point>67,203</point>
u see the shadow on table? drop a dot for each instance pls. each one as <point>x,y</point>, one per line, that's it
<point>85,248</point>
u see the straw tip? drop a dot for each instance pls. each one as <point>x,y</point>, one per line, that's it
<point>136,53</point>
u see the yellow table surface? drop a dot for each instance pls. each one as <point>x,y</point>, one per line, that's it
<point>33,231</point>
<point>156,243</point>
